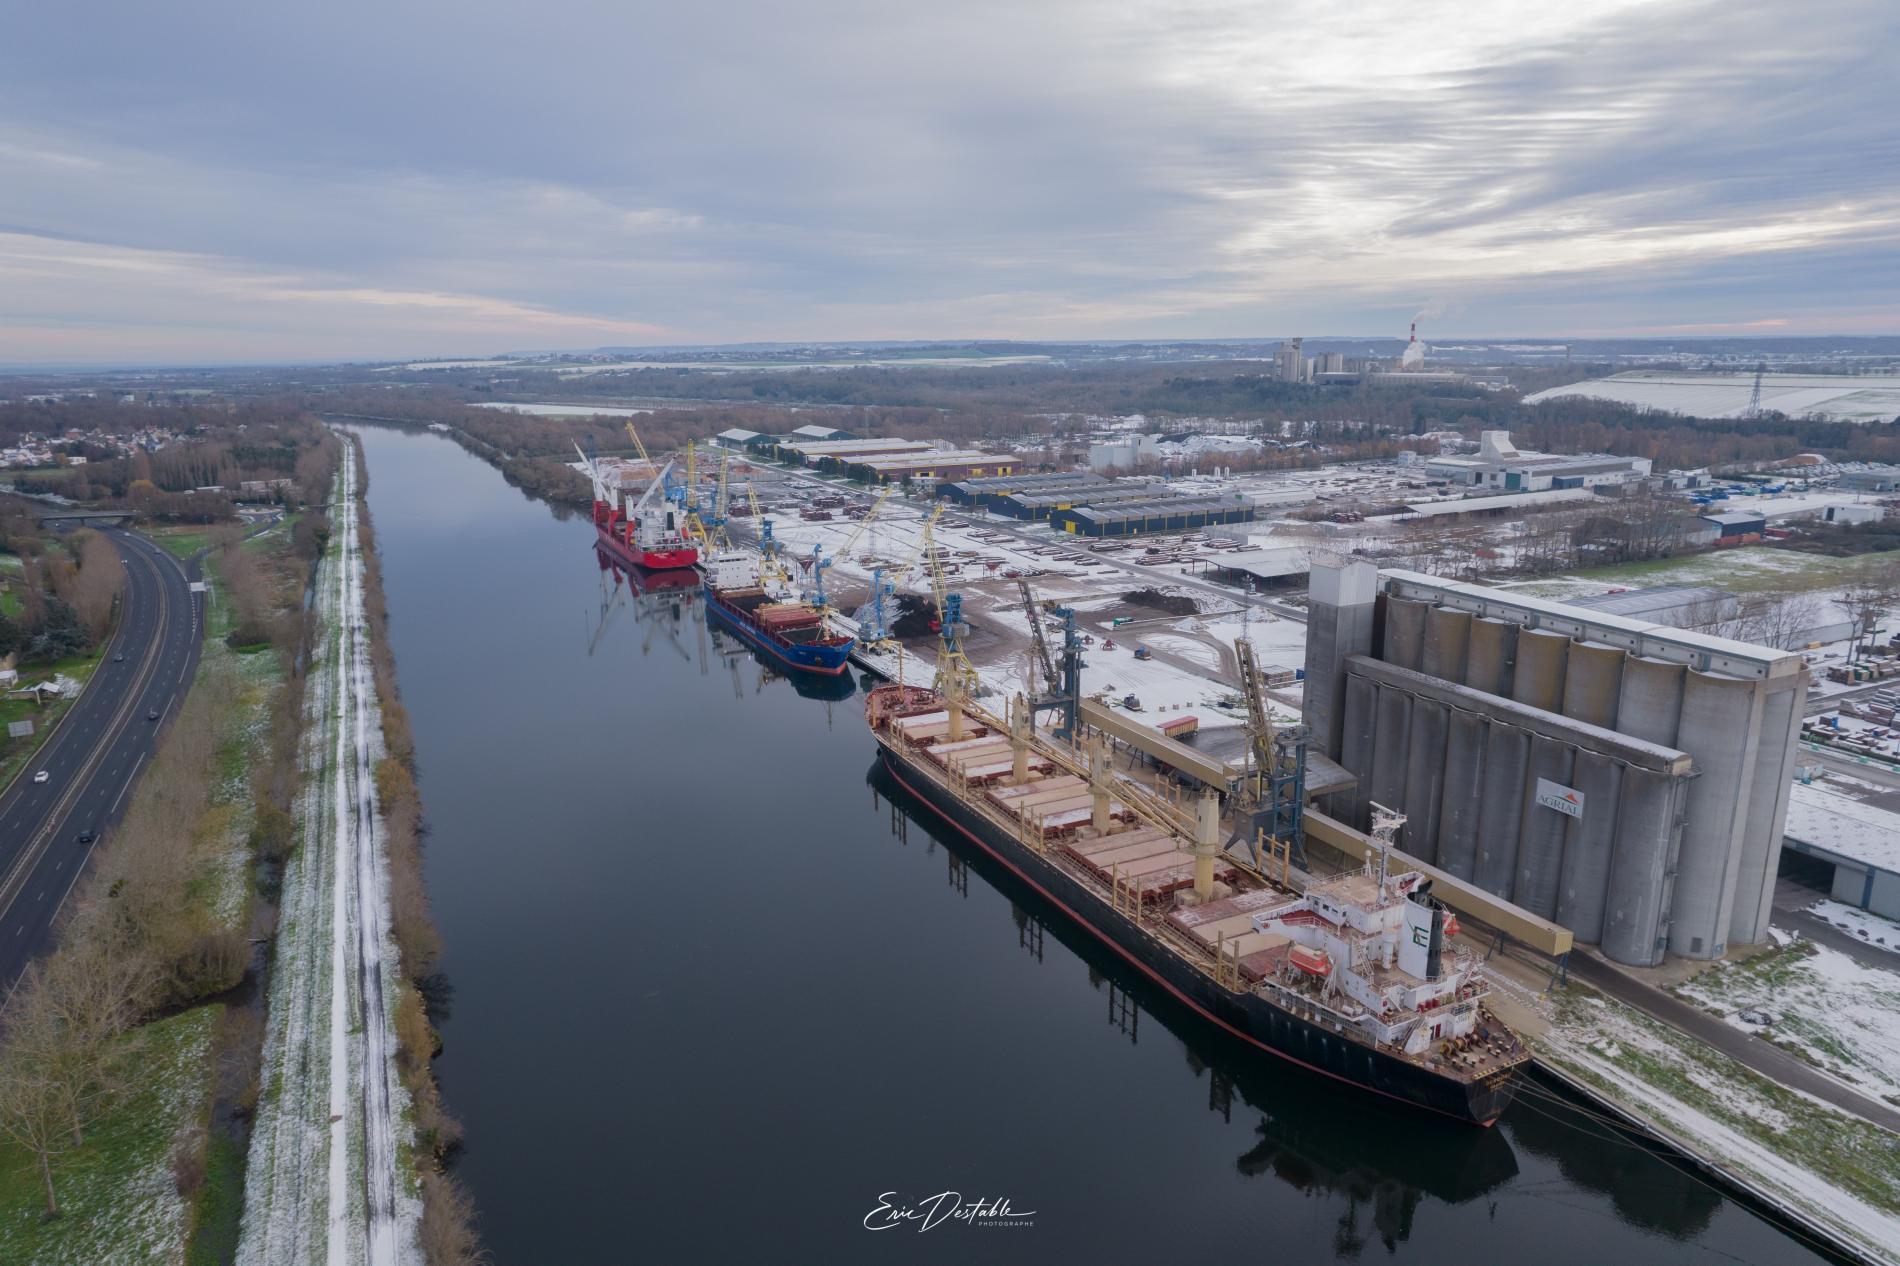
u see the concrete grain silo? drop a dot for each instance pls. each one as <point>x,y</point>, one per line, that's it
<point>1627,780</point>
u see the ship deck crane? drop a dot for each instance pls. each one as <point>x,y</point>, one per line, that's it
<point>1062,688</point>
<point>1276,786</point>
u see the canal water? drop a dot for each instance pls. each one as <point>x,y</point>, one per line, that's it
<point>715,994</point>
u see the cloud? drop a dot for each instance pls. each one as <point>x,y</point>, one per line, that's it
<point>354,179</point>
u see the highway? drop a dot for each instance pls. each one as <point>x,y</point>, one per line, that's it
<point>96,753</point>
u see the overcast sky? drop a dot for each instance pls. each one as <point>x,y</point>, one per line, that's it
<point>192,180</point>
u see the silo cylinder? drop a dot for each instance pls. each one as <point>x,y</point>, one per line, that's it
<point>1507,754</point>
<point>1539,678</point>
<point>1389,740</point>
<point>1540,848</point>
<point>1767,814</point>
<point>1446,633</point>
<point>1491,652</point>
<point>1638,907</point>
<point>1649,701</point>
<point>1404,632</point>
<point>1592,683</point>
<point>1355,752</point>
<point>1464,790</point>
<point>1424,780</point>
<point>1718,715</point>
<point>1588,840</point>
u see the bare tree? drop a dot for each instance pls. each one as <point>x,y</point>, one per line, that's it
<point>35,1111</point>
<point>1867,598</point>
<point>1775,619</point>
<point>101,577</point>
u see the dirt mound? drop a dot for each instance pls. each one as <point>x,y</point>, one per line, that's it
<point>1172,603</point>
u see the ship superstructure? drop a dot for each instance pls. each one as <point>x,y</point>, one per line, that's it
<point>645,531</point>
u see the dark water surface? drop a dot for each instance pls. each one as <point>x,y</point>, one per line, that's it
<point>714,996</point>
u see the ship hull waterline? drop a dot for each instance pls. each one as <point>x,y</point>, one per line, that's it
<point>650,560</point>
<point>825,661</point>
<point>1246,1016</point>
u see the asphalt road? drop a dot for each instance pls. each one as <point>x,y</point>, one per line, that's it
<point>97,751</point>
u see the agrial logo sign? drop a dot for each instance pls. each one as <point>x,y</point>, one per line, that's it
<point>1559,797</point>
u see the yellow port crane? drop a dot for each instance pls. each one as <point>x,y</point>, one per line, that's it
<point>821,564</point>
<point>956,676</point>
<point>638,447</point>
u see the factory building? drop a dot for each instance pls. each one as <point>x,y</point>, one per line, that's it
<point>984,493</point>
<point>827,454</point>
<point>1858,840</point>
<point>1036,506</point>
<point>1125,454</point>
<point>1500,466</point>
<point>1871,478</point>
<point>1164,514</point>
<point>1735,527</point>
<point>935,464</point>
<point>1625,779</point>
<point>737,438</point>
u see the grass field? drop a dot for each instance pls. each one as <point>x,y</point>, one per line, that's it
<point>1753,569</point>
<point>120,1203</point>
<point>181,542</point>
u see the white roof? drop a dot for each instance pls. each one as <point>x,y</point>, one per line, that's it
<point>737,433</point>
<point>1267,564</point>
<point>1471,505</point>
<point>1853,829</point>
<point>816,432</point>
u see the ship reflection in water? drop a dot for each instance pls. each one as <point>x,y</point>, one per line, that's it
<point>1317,1136</point>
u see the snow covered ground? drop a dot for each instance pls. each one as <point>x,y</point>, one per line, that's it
<point>1840,1171</point>
<point>1871,928</point>
<point>1842,1016</point>
<point>326,1182</point>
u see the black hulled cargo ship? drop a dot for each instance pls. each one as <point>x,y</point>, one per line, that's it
<point>1352,977</point>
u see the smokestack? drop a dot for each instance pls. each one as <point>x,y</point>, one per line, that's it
<point>1434,955</point>
<point>1414,332</point>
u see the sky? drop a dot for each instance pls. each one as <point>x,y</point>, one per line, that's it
<point>224,180</point>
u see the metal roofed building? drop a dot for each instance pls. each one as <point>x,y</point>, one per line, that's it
<point>1860,840</point>
<point>1045,504</point>
<point>1664,604</point>
<point>812,431</point>
<point>1871,478</point>
<point>984,491</point>
<point>827,453</point>
<point>1277,563</point>
<point>1163,514</point>
<point>1476,711</point>
<point>936,464</point>
<point>1501,465</point>
<point>736,437</point>
<point>1490,505</point>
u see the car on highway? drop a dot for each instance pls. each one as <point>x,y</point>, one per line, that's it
<point>87,837</point>
<point>152,715</point>
<point>42,776</point>
<point>119,658</point>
